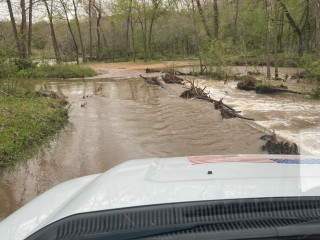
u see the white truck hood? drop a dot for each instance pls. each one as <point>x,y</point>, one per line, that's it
<point>156,181</point>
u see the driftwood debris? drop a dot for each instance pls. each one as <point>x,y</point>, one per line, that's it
<point>199,93</point>
<point>274,146</point>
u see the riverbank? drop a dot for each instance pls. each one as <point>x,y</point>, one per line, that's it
<point>26,120</point>
<point>26,68</point>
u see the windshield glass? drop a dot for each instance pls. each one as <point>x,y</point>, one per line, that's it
<point>232,88</point>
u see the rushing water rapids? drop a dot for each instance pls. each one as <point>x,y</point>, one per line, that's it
<point>293,117</point>
<point>126,120</point>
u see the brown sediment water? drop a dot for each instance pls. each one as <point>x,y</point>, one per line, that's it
<point>125,120</point>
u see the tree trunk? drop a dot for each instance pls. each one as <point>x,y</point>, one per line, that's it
<point>196,35</point>
<point>154,11</point>
<point>144,32</point>
<point>70,30</point>
<point>53,35</point>
<point>294,26</point>
<point>30,27</point>
<point>90,29</point>
<point>150,36</point>
<point>132,40</point>
<point>83,51</point>
<point>216,18</point>
<point>236,23</point>
<point>276,74</point>
<point>306,31</point>
<point>203,19</point>
<point>268,40</point>
<point>14,28</point>
<point>281,30</point>
<point>127,37</point>
<point>98,31</point>
<point>23,30</point>
<point>317,27</point>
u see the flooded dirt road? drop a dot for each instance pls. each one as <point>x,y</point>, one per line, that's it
<point>125,120</point>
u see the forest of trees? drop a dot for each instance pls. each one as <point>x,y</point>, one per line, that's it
<point>211,30</point>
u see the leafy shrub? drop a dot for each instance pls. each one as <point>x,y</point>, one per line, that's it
<point>313,70</point>
<point>315,94</point>
<point>24,63</point>
<point>7,68</point>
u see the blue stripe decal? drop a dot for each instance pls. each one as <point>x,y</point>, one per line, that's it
<point>296,161</point>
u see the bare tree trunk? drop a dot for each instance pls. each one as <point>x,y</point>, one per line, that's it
<point>53,35</point>
<point>236,23</point>
<point>144,32</point>
<point>216,18</point>
<point>317,27</point>
<point>98,30</point>
<point>306,31</point>
<point>14,28</point>
<point>83,51</point>
<point>281,30</point>
<point>132,40</point>
<point>203,19</point>
<point>30,27</point>
<point>155,6</point>
<point>268,39</point>
<point>70,30</point>
<point>294,26</point>
<point>23,30</point>
<point>196,37</point>
<point>150,36</point>
<point>276,74</point>
<point>90,29</point>
<point>127,36</point>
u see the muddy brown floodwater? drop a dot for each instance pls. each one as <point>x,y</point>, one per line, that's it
<point>127,120</point>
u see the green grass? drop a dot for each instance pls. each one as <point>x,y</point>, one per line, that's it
<point>26,68</point>
<point>26,120</point>
<point>57,71</point>
<point>315,94</point>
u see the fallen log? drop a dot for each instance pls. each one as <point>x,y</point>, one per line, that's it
<point>217,102</point>
<point>185,74</point>
<point>152,70</point>
<point>158,81</point>
<point>150,80</point>
<point>168,78</point>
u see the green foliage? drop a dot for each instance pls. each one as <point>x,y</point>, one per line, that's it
<point>25,68</point>
<point>65,71</point>
<point>315,94</point>
<point>24,63</point>
<point>261,87</point>
<point>313,70</point>
<point>26,119</point>
<point>7,68</point>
